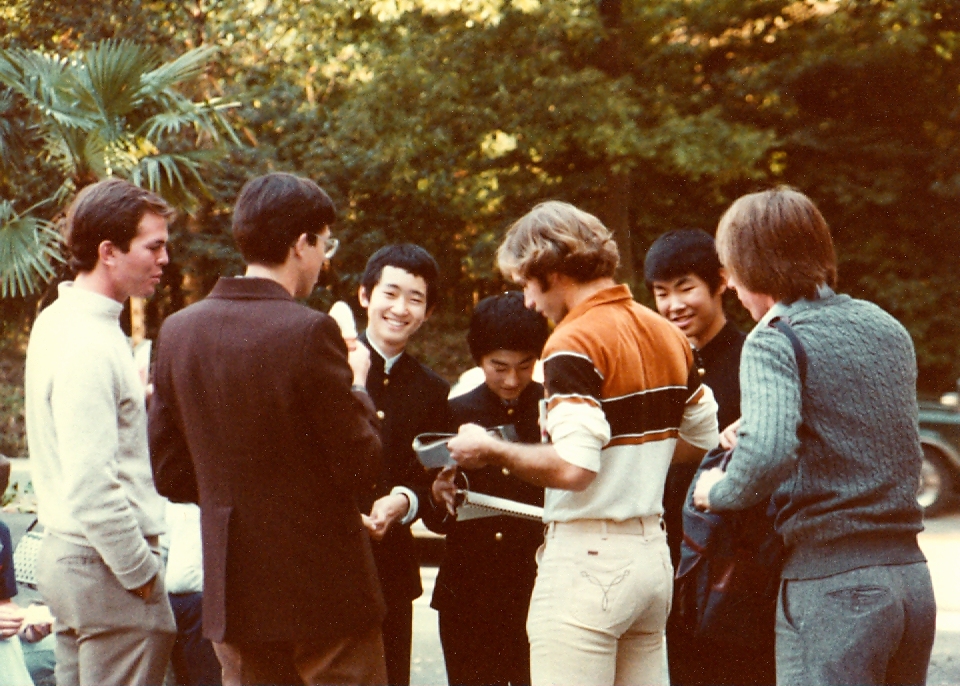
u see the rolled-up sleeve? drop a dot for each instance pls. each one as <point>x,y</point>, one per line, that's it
<point>699,424</point>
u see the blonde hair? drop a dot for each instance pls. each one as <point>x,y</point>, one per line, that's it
<point>556,237</point>
<point>777,243</point>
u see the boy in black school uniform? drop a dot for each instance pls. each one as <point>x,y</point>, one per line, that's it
<point>684,274</point>
<point>398,289</point>
<point>483,587</point>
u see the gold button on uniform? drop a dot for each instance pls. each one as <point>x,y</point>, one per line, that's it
<point>510,410</point>
<point>386,381</point>
<point>380,414</point>
<point>505,471</point>
<point>498,536</point>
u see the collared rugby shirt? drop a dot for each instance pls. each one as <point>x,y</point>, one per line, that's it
<point>621,387</point>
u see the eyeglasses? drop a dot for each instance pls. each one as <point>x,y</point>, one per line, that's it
<point>330,245</point>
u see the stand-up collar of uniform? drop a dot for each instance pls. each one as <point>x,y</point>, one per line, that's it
<point>249,288</point>
<point>83,300</point>
<point>387,362</point>
<point>614,294</point>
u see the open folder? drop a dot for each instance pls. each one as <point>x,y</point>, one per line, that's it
<point>432,451</point>
<point>431,448</point>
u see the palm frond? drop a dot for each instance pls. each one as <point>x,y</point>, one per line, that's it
<point>205,118</point>
<point>177,177</point>
<point>166,170</point>
<point>9,141</point>
<point>47,83</point>
<point>111,75</point>
<point>188,66</point>
<point>28,248</point>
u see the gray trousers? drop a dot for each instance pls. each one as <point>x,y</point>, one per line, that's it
<point>873,625</point>
<point>105,634</point>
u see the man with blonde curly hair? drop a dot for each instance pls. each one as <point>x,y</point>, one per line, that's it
<point>621,392</point>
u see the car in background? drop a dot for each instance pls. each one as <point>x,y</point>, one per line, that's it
<point>940,438</point>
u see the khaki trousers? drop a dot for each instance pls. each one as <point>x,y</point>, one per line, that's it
<point>105,634</point>
<point>600,604</point>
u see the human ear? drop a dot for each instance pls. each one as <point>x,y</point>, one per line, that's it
<point>725,284</point>
<point>303,242</point>
<point>724,281</point>
<point>106,252</point>
<point>362,297</point>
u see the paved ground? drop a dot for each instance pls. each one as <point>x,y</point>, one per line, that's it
<point>426,668</point>
<point>940,543</point>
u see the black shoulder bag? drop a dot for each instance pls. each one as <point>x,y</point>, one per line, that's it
<point>730,563</point>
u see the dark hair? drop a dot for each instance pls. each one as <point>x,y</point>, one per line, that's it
<point>556,237</point>
<point>272,211</point>
<point>109,210</point>
<point>502,322</point>
<point>681,252</point>
<point>777,243</point>
<point>408,257</point>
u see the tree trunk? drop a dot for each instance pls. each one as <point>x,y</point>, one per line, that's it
<point>617,206</point>
<point>618,221</point>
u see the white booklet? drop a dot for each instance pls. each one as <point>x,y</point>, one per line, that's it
<point>477,505</point>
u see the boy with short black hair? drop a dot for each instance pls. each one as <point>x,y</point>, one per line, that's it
<point>684,274</point>
<point>484,584</point>
<point>399,291</point>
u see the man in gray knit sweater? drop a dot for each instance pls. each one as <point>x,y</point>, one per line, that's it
<point>840,454</point>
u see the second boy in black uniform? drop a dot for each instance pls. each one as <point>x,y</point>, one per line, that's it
<point>484,584</point>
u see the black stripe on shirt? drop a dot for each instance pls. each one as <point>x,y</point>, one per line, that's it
<point>642,413</point>
<point>571,374</point>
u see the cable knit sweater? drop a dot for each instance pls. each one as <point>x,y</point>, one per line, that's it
<point>87,434</point>
<point>841,456</point>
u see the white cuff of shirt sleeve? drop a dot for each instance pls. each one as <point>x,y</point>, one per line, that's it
<point>414,503</point>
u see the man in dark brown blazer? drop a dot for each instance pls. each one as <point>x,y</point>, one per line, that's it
<point>253,417</point>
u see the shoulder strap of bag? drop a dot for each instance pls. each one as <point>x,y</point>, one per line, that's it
<point>782,324</point>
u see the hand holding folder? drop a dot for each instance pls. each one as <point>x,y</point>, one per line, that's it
<point>433,453</point>
<point>431,448</point>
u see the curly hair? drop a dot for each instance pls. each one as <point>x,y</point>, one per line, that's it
<point>556,237</point>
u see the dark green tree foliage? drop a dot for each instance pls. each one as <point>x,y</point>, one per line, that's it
<point>441,121</point>
<point>863,97</point>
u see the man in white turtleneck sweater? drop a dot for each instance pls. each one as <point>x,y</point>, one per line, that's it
<point>99,568</point>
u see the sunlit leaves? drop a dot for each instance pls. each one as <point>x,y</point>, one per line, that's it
<point>114,109</point>
<point>102,111</point>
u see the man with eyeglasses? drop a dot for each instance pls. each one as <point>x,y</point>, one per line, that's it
<point>261,416</point>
